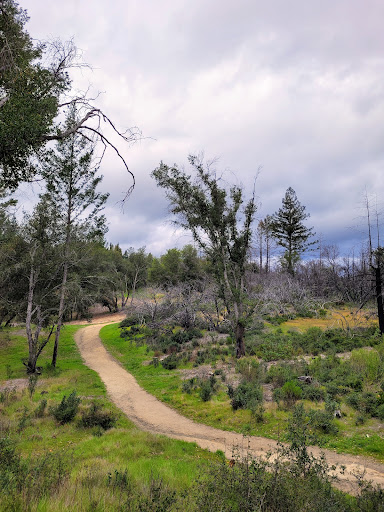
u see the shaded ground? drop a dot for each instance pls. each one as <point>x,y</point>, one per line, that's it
<point>151,415</point>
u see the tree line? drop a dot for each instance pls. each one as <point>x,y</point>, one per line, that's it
<point>55,262</point>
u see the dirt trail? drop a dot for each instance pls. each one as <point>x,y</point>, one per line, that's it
<point>151,415</point>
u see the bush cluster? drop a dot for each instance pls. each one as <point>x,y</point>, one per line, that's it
<point>95,417</point>
<point>248,395</point>
<point>67,409</point>
<point>205,387</point>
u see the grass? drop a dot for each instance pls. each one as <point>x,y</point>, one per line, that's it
<point>166,385</point>
<point>343,318</point>
<point>89,459</point>
<point>125,468</point>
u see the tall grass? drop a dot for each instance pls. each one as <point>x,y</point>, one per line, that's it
<point>368,364</point>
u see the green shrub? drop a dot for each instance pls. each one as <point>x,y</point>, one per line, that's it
<point>206,391</point>
<point>181,337</point>
<point>170,362</point>
<point>207,388</point>
<point>366,403</point>
<point>95,417</point>
<point>188,385</point>
<point>354,399</point>
<point>360,419</point>
<point>66,410</point>
<point>250,369</point>
<point>278,375</point>
<point>291,392</point>
<point>367,363</point>
<point>8,395</point>
<point>24,420</point>
<point>246,396</point>
<point>313,393</point>
<point>380,412</point>
<point>323,421</point>
<point>32,383</point>
<point>129,321</point>
<point>23,481</point>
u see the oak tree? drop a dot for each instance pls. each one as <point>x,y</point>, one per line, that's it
<point>219,226</point>
<point>35,90</point>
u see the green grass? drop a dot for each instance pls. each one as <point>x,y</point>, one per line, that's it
<point>90,459</point>
<point>166,385</point>
<point>118,469</point>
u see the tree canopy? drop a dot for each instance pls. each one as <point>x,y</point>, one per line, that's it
<point>35,88</point>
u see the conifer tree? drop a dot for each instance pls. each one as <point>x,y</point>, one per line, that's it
<point>289,230</point>
<point>72,180</point>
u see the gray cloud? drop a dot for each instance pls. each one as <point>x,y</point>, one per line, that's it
<point>295,87</point>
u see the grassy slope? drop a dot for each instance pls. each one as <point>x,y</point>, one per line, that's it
<point>144,456</point>
<point>166,385</point>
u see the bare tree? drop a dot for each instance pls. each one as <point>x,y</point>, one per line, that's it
<point>35,90</point>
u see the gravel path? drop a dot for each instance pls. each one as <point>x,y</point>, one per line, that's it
<point>153,416</point>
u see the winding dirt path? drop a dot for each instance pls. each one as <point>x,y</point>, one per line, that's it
<point>153,416</point>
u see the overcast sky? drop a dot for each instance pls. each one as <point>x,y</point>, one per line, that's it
<point>294,87</point>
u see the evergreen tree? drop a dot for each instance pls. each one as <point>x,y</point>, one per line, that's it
<point>289,230</point>
<point>72,181</point>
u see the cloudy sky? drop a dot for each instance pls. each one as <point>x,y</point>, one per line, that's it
<point>295,88</point>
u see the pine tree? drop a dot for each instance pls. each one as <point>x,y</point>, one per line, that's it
<point>72,181</point>
<point>289,230</point>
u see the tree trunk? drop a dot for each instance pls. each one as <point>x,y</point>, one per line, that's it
<point>31,364</point>
<point>240,345</point>
<point>134,286</point>
<point>61,314</point>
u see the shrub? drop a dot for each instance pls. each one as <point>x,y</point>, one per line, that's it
<point>23,481</point>
<point>366,403</point>
<point>129,321</point>
<point>250,369</point>
<point>367,363</point>
<point>8,395</point>
<point>24,420</point>
<point>360,419</point>
<point>67,408</point>
<point>206,391</point>
<point>258,413</point>
<point>188,385</point>
<point>354,399</point>
<point>380,412</point>
<point>314,393</point>
<point>32,383</point>
<point>323,421</point>
<point>291,392</point>
<point>170,362</point>
<point>95,417</point>
<point>40,409</point>
<point>180,337</point>
<point>246,396</point>
<point>278,375</point>
<point>194,332</point>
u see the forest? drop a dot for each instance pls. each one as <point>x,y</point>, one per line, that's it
<point>256,327</point>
